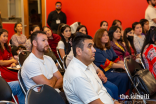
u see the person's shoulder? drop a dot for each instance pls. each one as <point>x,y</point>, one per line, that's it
<point>56,36</point>
<point>13,36</point>
<point>60,42</point>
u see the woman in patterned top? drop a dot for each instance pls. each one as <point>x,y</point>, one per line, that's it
<point>119,48</point>
<point>6,58</point>
<point>148,52</point>
<point>18,38</point>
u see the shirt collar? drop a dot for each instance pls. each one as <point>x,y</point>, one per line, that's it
<point>82,65</point>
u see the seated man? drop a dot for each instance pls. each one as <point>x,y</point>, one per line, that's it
<point>81,83</point>
<point>39,68</point>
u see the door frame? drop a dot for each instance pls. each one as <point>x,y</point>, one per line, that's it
<point>25,15</point>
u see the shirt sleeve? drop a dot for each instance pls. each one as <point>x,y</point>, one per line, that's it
<point>14,41</point>
<point>60,45</point>
<point>152,13</point>
<point>32,69</point>
<point>102,62</point>
<point>84,90</point>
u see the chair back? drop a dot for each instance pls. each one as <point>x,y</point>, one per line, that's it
<point>7,102</point>
<point>47,95</point>
<point>64,62</point>
<point>21,82</point>
<point>58,53</point>
<point>22,56</point>
<point>5,90</point>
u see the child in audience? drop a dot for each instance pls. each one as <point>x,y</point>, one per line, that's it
<point>18,50</point>
<point>104,25</point>
<point>28,42</point>
<point>64,46</point>
<point>145,26</point>
<point>6,58</point>
<point>117,45</point>
<point>82,29</point>
<point>138,38</point>
<point>148,52</point>
<point>53,39</point>
<point>18,38</point>
<point>106,59</point>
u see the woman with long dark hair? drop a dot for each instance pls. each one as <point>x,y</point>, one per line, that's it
<point>128,40</point>
<point>119,48</point>
<point>64,46</point>
<point>145,26</point>
<point>6,58</point>
<point>148,52</point>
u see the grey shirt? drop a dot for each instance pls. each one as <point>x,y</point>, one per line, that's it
<point>138,43</point>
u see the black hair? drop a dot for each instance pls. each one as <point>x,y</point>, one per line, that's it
<point>21,46</point>
<point>67,45</point>
<point>150,38</point>
<point>79,27</point>
<point>111,32</point>
<point>127,30</point>
<point>103,22</point>
<point>16,26</point>
<point>58,2</point>
<point>32,28</point>
<point>148,1</point>
<point>34,35</point>
<point>134,25</point>
<point>5,44</point>
<point>142,22</point>
<point>45,27</point>
<point>115,22</point>
<point>78,42</point>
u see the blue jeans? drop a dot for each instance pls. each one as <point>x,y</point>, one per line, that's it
<point>112,89</point>
<point>16,90</point>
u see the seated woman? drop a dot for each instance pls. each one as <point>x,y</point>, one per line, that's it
<point>104,25</point>
<point>6,58</point>
<point>145,26</point>
<point>18,38</point>
<point>64,46</point>
<point>119,48</point>
<point>82,29</point>
<point>149,50</point>
<point>53,39</point>
<point>111,88</point>
<point>28,42</point>
<point>128,40</point>
<point>138,38</point>
<point>119,24</point>
<point>107,60</point>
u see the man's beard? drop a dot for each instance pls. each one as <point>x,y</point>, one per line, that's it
<point>153,4</point>
<point>58,9</point>
<point>41,49</point>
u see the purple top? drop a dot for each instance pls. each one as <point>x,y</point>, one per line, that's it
<point>18,40</point>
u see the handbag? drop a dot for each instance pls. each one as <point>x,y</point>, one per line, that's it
<point>145,82</point>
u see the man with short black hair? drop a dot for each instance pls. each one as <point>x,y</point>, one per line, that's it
<point>150,13</point>
<point>81,82</point>
<point>56,17</point>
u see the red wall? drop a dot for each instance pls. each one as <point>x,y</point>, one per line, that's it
<point>92,12</point>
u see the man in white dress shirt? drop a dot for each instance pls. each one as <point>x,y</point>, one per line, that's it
<point>150,13</point>
<point>81,83</point>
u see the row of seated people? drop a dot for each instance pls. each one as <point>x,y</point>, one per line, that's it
<point>67,28</point>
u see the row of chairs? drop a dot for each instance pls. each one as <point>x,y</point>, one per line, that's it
<point>47,95</point>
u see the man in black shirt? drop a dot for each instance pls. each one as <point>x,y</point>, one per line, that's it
<point>56,17</point>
